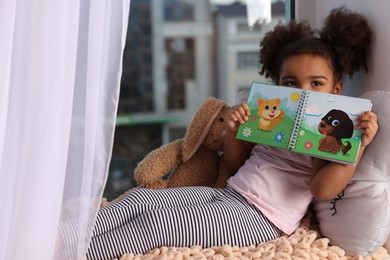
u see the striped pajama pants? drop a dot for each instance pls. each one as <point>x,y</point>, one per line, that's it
<point>146,219</point>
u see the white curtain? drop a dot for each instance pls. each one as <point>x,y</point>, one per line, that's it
<point>60,68</point>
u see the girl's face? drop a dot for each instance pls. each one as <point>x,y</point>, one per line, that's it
<point>309,72</point>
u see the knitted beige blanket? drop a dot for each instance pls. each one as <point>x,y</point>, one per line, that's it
<point>305,243</point>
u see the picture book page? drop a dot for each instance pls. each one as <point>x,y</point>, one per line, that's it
<point>273,111</point>
<point>327,127</point>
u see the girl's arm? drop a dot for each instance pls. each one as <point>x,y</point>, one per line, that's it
<point>235,151</point>
<point>330,178</point>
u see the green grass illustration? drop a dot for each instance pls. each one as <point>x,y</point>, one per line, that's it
<point>307,141</point>
<point>281,131</point>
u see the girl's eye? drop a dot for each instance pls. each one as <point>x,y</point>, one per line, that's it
<point>335,122</point>
<point>267,107</point>
<point>290,83</point>
<point>316,84</point>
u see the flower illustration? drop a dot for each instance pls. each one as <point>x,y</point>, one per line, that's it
<point>253,118</point>
<point>246,132</point>
<point>279,137</point>
<point>302,132</point>
<point>308,145</point>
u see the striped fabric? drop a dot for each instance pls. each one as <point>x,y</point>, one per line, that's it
<point>180,217</point>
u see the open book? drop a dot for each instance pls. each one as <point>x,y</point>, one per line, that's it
<point>314,123</point>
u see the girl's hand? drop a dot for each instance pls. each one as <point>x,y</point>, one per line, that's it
<point>238,114</point>
<point>367,121</point>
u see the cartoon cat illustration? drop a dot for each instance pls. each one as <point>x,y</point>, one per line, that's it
<point>270,113</point>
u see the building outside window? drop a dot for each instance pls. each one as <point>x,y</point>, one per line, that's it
<point>248,60</point>
<point>178,10</point>
<point>242,27</point>
<point>136,93</point>
<point>178,53</point>
<point>179,69</point>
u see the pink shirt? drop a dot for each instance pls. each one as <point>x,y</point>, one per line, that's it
<point>276,181</point>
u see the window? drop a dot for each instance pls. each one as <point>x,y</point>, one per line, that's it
<point>186,51</point>
<point>243,27</point>
<point>178,10</point>
<point>136,93</point>
<point>180,69</point>
<point>248,60</point>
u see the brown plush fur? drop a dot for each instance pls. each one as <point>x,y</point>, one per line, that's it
<point>194,160</point>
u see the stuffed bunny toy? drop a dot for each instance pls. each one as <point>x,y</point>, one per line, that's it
<point>195,160</point>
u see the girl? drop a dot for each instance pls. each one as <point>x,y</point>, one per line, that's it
<point>268,194</point>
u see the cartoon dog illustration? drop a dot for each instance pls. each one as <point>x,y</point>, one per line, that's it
<point>270,113</point>
<point>335,125</point>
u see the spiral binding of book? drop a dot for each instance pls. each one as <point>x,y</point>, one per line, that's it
<point>298,121</point>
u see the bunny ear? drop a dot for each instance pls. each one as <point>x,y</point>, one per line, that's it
<point>200,126</point>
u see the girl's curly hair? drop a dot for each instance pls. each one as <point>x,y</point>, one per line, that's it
<point>344,40</point>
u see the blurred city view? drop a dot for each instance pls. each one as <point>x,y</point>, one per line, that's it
<point>178,53</point>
